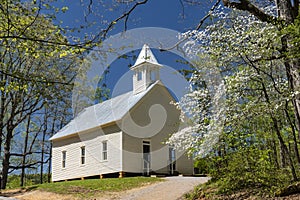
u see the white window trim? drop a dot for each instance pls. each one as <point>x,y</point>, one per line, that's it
<point>139,76</point>
<point>82,156</point>
<point>104,152</point>
<point>153,75</point>
<point>64,159</point>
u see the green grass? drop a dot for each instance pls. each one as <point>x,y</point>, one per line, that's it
<point>207,190</point>
<point>89,187</point>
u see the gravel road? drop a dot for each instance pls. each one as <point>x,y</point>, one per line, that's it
<point>171,189</point>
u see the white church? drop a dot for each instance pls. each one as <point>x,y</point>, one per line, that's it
<point>124,135</point>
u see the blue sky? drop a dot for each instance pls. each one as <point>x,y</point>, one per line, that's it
<point>170,14</point>
<point>155,13</point>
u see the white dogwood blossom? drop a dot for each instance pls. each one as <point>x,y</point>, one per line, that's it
<point>232,41</point>
<point>202,115</point>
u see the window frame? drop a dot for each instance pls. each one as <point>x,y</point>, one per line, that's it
<point>82,155</point>
<point>139,75</point>
<point>104,150</point>
<point>64,159</point>
<point>153,75</point>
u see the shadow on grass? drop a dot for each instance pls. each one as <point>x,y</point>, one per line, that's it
<point>15,192</point>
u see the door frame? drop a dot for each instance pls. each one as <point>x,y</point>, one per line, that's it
<point>146,157</point>
<point>172,160</point>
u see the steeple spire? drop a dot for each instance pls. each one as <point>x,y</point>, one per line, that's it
<point>145,55</point>
<point>146,70</point>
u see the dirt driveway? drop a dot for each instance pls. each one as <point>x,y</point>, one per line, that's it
<point>171,189</point>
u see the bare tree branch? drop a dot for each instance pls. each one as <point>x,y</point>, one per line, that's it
<point>246,5</point>
<point>208,14</point>
<point>30,165</point>
<point>182,6</point>
<point>125,16</point>
<point>192,2</point>
<point>176,45</point>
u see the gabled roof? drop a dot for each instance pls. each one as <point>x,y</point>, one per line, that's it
<point>103,113</point>
<point>145,55</point>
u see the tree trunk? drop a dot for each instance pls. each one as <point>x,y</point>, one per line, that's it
<point>283,148</point>
<point>50,149</point>
<point>275,154</point>
<point>293,133</point>
<point>287,11</point>
<point>43,145</point>
<point>22,182</point>
<point>6,156</point>
<point>2,112</point>
<point>50,162</point>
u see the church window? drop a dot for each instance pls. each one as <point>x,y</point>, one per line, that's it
<point>64,159</point>
<point>104,150</point>
<point>153,76</point>
<point>82,155</point>
<point>139,75</point>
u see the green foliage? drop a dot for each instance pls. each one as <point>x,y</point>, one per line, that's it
<point>207,190</point>
<point>293,32</point>
<point>41,53</point>
<point>203,165</point>
<point>13,181</point>
<point>251,168</point>
<point>30,179</point>
<point>252,151</point>
<point>248,171</point>
<point>37,68</point>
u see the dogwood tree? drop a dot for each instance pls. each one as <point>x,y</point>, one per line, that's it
<point>250,53</point>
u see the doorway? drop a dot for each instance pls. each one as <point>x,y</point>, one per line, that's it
<point>172,161</point>
<point>146,158</point>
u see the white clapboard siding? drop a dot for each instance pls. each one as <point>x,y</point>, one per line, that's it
<point>184,164</point>
<point>133,141</point>
<point>94,163</point>
<point>132,154</point>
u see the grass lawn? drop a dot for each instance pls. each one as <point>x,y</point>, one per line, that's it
<point>89,187</point>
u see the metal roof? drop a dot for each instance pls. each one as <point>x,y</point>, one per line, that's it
<point>103,113</point>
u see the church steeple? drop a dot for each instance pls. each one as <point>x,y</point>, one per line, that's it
<point>146,70</point>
